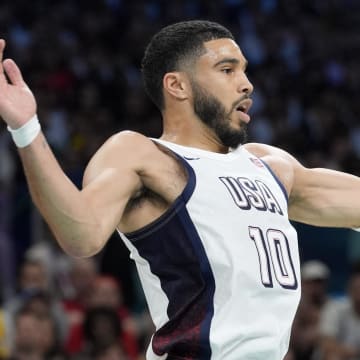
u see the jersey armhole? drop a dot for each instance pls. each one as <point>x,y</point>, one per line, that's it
<point>178,203</point>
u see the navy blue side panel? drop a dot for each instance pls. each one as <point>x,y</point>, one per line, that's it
<point>210,286</point>
<point>176,255</point>
<point>282,187</point>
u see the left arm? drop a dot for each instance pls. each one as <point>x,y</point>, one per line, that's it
<point>325,197</point>
<point>318,197</point>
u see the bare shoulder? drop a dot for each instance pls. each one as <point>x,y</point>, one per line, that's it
<point>261,150</point>
<point>145,176</point>
<point>271,155</point>
<point>125,150</point>
<point>281,162</point>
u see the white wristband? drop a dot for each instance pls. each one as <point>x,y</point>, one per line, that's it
<point>356,229</point>
<point>24,135</point>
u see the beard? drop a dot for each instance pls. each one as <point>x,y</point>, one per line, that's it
<point>215,116</point>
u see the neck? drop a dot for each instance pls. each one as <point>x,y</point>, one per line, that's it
<point>185,128</point>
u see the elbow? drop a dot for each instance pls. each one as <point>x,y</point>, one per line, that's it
<point>81,246</point>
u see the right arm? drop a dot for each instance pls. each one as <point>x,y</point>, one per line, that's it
<point>81,221</point>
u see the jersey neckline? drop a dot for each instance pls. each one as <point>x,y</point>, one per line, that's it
<point>191,151</point>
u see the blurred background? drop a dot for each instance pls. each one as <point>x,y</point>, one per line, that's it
<point>82,61</point>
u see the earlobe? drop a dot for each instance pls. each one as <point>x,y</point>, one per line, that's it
<point>175,86</point>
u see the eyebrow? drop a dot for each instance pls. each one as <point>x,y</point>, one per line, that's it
<point>231,61</point>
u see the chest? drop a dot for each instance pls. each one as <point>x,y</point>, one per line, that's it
<point>241,216</point>
<point>245,188</point>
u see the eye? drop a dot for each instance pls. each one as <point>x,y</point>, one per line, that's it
<point>227,70</point>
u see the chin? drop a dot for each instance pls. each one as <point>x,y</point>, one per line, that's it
<point>233,140</point>
<point>231,137</point>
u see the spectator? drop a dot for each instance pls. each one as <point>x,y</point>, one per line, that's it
<point>107,293</point>
<point>304,341</point>
<point>27,337</point>
<point>113,352</point>
<point>34,291</point>
<point>102,329</point>
<point>35,338</point>
<point>83,273</point>
<point>340,325</point>
<point>4,346</point>
<point>314,299</point>
<point>314,281</point>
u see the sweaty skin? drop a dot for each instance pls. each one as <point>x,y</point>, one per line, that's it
<point>131,181</point>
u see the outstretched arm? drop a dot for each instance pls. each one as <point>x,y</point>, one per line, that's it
<point>325,198</point>
<point>318,197</point>
<point>83,220</point>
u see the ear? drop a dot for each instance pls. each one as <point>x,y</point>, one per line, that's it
<point>175,84</point>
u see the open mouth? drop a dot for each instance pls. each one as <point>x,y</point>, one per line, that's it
<point>244,106</point>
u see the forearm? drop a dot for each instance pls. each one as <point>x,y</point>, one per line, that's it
<point>63,206</point>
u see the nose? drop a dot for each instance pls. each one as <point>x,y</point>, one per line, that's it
<point>245,86</point>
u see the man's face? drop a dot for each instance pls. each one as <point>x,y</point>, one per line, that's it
<point>33,276</point>
<point>213,113</point>
<point>27,337</point>
<point>105,293</point>
<point>221,91</point>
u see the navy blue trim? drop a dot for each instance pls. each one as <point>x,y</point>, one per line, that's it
<point>281,185</point>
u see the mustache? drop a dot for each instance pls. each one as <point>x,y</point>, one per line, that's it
<point>237,102</point>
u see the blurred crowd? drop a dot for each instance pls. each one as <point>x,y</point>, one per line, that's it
<point>82,61</point>
<point>66,309</point>
<point>326,328</point>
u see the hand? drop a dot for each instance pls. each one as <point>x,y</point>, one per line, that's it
<point>17,103</point>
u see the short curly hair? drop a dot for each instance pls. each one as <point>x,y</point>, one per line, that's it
<point>172,47</point>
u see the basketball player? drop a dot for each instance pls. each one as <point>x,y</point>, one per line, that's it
<point>206,219</point>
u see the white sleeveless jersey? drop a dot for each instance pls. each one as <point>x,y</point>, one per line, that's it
<point>220,269</point>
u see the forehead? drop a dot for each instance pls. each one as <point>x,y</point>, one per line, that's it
<point>219,49</point>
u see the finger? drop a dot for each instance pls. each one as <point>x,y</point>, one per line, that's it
<point>13,72</point>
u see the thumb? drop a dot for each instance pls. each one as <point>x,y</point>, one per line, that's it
<point>13,72</point>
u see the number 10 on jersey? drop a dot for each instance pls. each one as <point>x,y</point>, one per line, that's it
<point>274,257</point>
